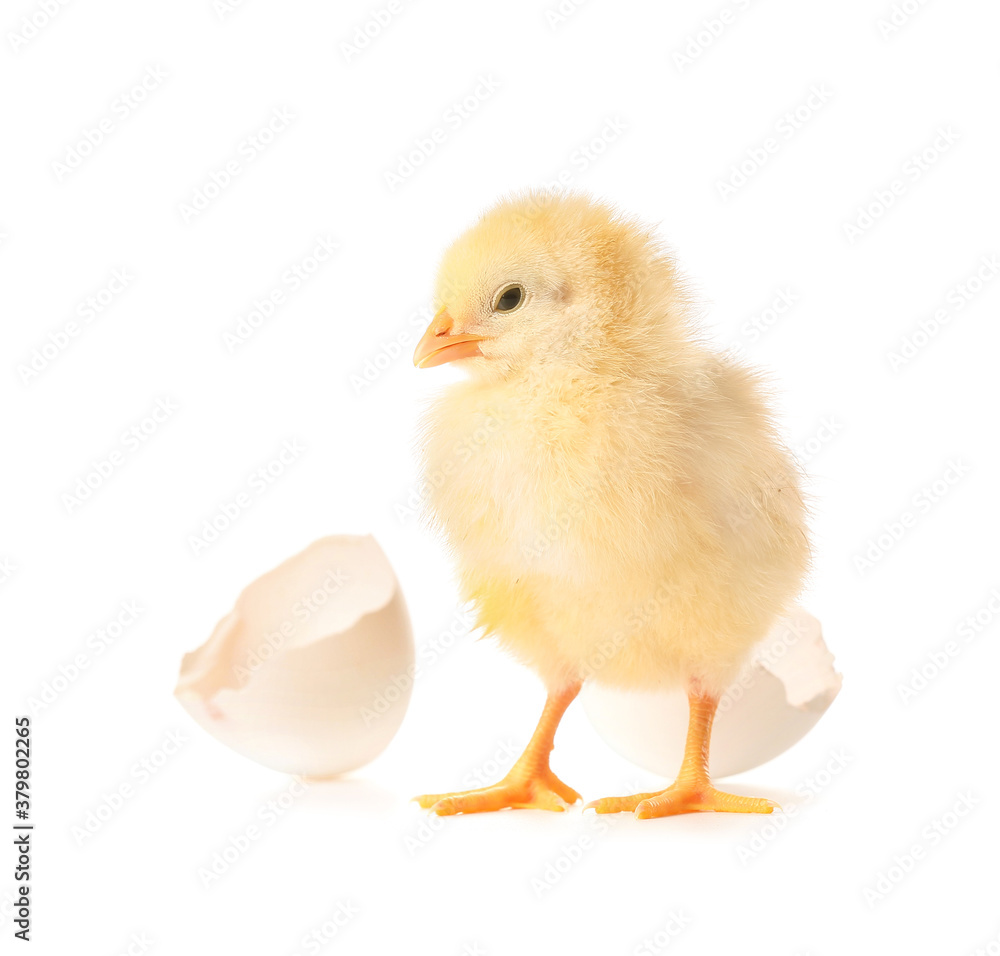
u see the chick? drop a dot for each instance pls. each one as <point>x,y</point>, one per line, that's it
<point>612,488</point>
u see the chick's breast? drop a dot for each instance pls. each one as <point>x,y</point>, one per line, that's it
<point>638,533</point>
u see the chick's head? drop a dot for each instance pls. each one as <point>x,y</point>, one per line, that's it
<point>543,279</point>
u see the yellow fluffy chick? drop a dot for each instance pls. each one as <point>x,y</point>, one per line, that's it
<point>613,489</point>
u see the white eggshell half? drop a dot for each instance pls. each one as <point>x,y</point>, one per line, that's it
<point>786,687</point>
<point>303,675</point>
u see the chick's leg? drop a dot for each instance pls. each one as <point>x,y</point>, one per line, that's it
<point>692,790</point>
<point>530,783</point>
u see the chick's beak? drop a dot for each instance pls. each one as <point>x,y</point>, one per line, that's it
<point>441,344</point>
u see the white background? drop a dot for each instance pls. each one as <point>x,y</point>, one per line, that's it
<point>872,433</point>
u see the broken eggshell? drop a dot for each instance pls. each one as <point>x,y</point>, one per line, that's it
<point>786,686</point>
<point>303,674</point>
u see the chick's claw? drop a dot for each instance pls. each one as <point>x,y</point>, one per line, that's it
<point>619,804</point>
<point>540,791</point>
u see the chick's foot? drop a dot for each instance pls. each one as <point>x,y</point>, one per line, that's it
<point>682,798</point>
<point>519,790</point>
<point>692,790</point>
<point>530,783</point>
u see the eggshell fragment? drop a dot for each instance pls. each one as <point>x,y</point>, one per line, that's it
<point>787,685</point>
<point>303,675</point>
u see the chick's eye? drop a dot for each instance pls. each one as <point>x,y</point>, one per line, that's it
<point>509,299</point>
